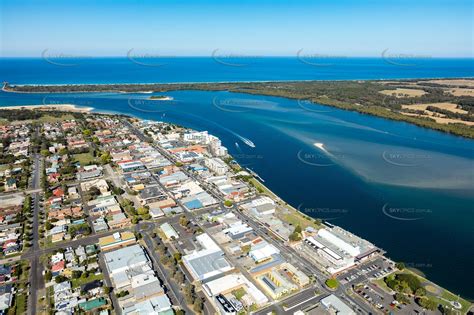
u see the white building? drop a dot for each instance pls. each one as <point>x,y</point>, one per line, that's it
<point>196,137</point>
<point>338,247</point>
<point>216,147</point>
<point>263,251</point>
<point>233,282</point>
<point>124,263</point>
<point>334,305</point>
<point>216,165</point>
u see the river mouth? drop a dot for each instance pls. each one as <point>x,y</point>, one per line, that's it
<point>404,188</point>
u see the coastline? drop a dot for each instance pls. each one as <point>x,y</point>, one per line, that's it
<point>224,82</point>
<point>366,100</point>
<point>59,107</point>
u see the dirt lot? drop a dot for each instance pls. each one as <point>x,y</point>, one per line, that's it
<point>403,92</point>
<point>447,106</point>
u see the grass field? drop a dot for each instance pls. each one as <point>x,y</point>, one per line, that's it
<point>80,281</point>
<point>20,303</point>
<point>295,218</point>
<point>445,297</point>
<point>381,284</point>
<point>84,158</point>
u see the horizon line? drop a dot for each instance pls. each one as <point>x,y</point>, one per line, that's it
<point>321,56</point>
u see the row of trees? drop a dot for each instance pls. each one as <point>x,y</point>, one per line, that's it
<point>172,262</point>
<point>406,285</point>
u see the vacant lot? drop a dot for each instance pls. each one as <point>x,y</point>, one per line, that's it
<point>84,158</point>
<point>447,106</point>
<point>461,92</point>
<point>403,92</point>
<point>458,82</point>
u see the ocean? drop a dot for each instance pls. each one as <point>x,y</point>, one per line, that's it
<point>142,69</point>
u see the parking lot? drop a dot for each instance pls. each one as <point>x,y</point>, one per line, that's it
<point>377,268</point>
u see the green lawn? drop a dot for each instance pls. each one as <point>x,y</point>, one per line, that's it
<point>24,265</point>
<point>451,297</point>
<point>80,281</point>
<point>381,284</point>
<point>84,158</point>
<point>20,303</point>
<point>445,295</point>
<point>332,283</point>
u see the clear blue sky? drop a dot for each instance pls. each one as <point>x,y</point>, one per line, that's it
<point>189,28</point>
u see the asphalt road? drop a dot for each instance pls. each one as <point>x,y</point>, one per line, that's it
<point>108,282</point>
<point>36,277</point>
<point>174,291</point>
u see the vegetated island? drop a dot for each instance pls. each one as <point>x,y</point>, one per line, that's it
<point>441,104</point>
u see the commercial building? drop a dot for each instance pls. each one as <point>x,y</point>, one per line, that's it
<point>207,262</point>
<point>159,305</point>
<point>276,283</point>
<point>237,230</point>
<point>152,194</point>
<point>169,231</point>
<point>130,166</point>
<point>263,251</point>
<point>216,165</point>
<point>335,306</point>
<point>131,269</point>
<point>122,264</point>
<point>232,282</point>
<point>116,240</point>
<point>339,248</point>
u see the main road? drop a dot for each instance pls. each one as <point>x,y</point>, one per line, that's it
<point>36,277</point>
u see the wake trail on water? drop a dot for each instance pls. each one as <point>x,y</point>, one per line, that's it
<point>245,140</point>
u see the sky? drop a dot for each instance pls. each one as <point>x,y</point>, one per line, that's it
<point>433,28</point>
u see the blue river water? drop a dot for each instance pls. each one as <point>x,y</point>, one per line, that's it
<point>407,189</point>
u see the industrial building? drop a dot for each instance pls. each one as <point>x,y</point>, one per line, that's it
<point>207,262</point>
<point>338,247</point>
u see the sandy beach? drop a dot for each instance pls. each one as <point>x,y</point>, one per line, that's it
<point>55,107</point>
